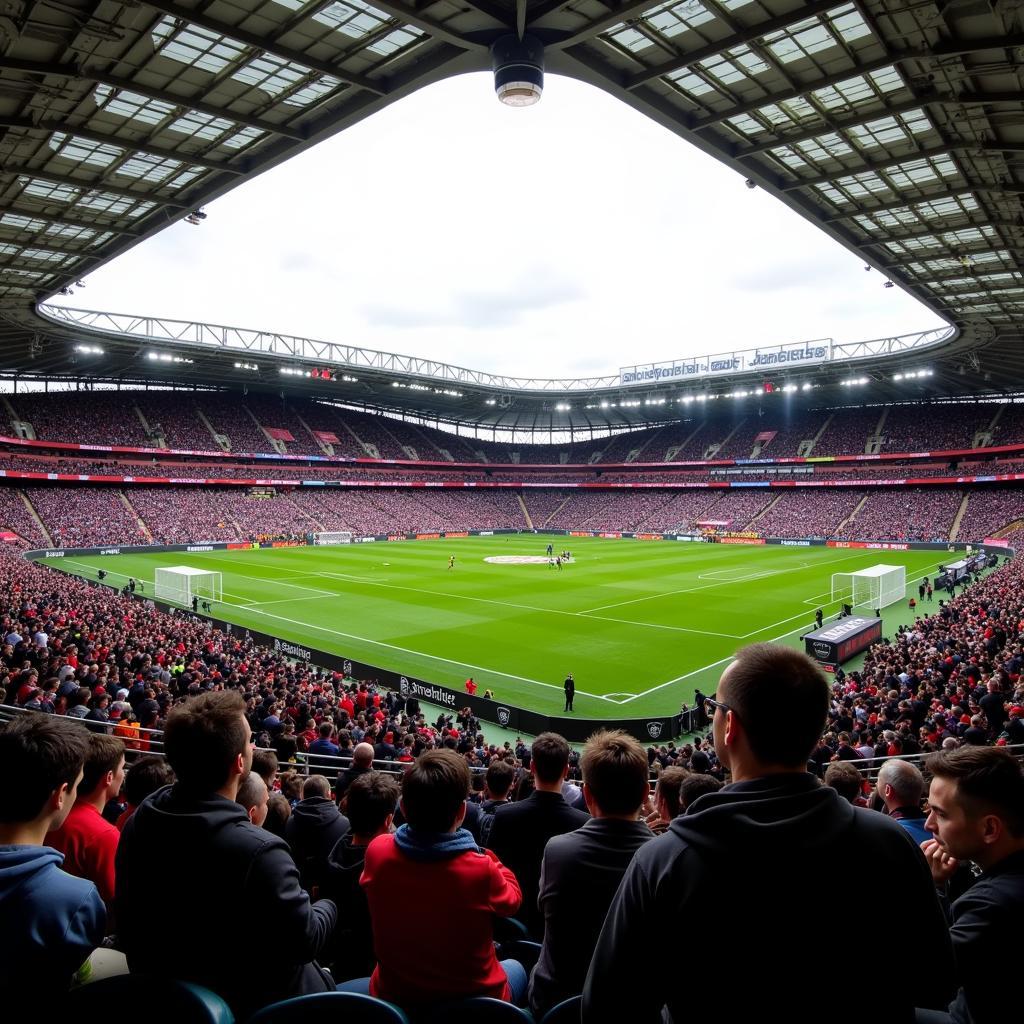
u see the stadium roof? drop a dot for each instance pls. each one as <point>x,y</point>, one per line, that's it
<point>898,128</point>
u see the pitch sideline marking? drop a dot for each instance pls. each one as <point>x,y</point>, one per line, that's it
<point>710,586</point>
<point>423,654</point>
<point>722,661</point>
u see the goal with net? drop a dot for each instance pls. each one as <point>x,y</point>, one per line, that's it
<point>180,583</point>
<point>876,587</point>
<point>333,537</point>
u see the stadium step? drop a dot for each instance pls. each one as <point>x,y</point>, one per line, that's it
<point>526,514</point>
<point>960,512</point>
<point>851,517</point>
<point>134,513</point>
<point>35,515</point>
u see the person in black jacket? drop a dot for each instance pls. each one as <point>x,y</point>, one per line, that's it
<point>582,869</point>
<point>521,830</point>
<point>371,801</point>
<point>754,865</point>
<point>224,887</point>
<point>313,829</point>
<point>976,812</point>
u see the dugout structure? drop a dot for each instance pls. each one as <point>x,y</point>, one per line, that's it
<point>876,587</point>
<point>178,584</point>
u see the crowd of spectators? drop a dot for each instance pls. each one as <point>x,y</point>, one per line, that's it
<point>88,417</point>
<point>560,830</point>
<point>915,428</point>
<point>808,513</point>
<point>988,510</point>
<point>114,418</point>
<point>906,514</point>
<point>87,516</point>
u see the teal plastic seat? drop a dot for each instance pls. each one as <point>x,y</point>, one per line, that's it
<point>568,1011</point>
<point>129,998</point>
<point>330,1008</point>
<point>478,1010</point>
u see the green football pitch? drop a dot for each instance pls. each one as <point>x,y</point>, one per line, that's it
<point>640,624</point>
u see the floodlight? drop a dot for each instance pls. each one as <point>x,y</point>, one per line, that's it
<point>518,66</point>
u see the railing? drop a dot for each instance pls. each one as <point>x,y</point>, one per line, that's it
<point>164,331</point>
<point>331,766</point>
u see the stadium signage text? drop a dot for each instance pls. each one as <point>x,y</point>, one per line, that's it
<point>795,543</point>
<point>433,694</point>
<point>293,650</point>
<point>818,351</point>
<point>54,554</point>
<point>110,551</point>
<point>199,547</point>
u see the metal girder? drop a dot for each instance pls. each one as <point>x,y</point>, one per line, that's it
<point>94,186</point>
<point>957,251</point>
<point>902,204</point>
<point>869,166</point>
<point>76,72</point>
<point>824,82</point>
<point>935,232</point>
<point>131,146</point>
<point>746,35</point>
<point>624,12</point>
<point>841,124</point>
<point>927,279</point>
<point>412,17</point>
<point>264,45</point>
<point>96,225</point>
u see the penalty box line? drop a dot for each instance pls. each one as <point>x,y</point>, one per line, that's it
<point>722,661</point>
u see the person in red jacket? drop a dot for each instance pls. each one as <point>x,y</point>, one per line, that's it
<point>431,853</point>
<point>87,840</point>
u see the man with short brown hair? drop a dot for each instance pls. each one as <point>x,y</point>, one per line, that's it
<point>521,830</point>
<point>753,865</point>
<point>87,840</point>
<point>976,813</point>
<point>216,874</point>
<point>581,870</point>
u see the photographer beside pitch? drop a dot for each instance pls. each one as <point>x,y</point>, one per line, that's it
<point>753,869</point>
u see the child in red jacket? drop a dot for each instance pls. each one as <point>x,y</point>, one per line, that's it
<point>432,857</point>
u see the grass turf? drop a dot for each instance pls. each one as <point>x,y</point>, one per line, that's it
<point>640,624</point>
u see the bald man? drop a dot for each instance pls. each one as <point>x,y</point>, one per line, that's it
<point>254,797</point>
<point>362,762</point>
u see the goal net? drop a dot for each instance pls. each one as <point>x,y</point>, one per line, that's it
<point>333,537</point>
<point>876,587</point>
<point>180,583</point>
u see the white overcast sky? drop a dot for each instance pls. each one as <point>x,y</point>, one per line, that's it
<point>569,238</point>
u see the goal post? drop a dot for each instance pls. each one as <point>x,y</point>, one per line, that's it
<point>180,583</point>
<point>876,587</point>
<point>333,537</point>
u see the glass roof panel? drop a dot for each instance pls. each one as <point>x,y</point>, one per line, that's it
<point>131,105</point>
<point>21,222</point>
<point>83,151</point>
<point>48,190</point>
<point>195,46</point>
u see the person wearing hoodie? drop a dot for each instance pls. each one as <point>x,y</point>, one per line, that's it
<point>432,854</point>
<point>51,921</point>
<point>370,805</point>
<point>755,864</point>
<point>216,873</point>
<point>313,830</point>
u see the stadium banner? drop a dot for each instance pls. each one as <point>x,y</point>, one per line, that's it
<point>807,353</point>
<point>996,542</point>
<point>326,436</point>
<point>740,540</point>
<point>838,642</point>
<point>279,433</point>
